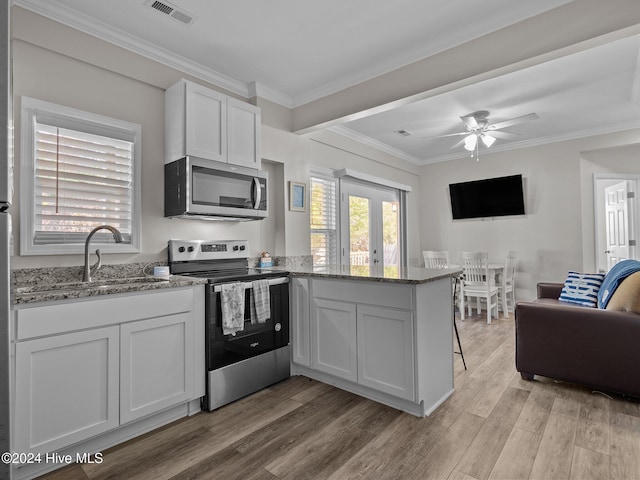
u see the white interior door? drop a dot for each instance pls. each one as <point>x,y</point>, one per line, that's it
<point>370,229</point>
<point>617,223</point>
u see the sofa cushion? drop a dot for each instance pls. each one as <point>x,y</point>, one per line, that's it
<point>626,298</point>
<point>614,278</point>
<point>581,288</point>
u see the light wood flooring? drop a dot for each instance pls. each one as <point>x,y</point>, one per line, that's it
<point>495,426</point>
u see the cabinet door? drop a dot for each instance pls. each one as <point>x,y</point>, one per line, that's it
<point>300,340</point>
<point>157,365</point>
<point>385,350</point>
<point>334,334</point>
<point>206,123</point>
<point>243,133</point>
<point>66,389</point>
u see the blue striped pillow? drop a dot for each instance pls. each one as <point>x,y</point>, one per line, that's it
<point>582,288</point>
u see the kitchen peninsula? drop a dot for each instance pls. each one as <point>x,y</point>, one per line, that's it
<point>388,337</point>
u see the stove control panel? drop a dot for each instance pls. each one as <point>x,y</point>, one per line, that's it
<point>190,250</point>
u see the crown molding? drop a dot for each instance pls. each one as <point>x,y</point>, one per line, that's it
<point>563,137</point>
<point>590,132</point>
<point>69,17</point>
<point>371,142</point>
<point>257,89</point>
<point>469,32</point>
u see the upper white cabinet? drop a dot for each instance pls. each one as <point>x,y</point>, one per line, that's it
<point>208,124</point>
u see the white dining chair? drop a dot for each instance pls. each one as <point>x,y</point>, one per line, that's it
<point>507,288</point>
<point>478,283</point>
<point>436,258</point>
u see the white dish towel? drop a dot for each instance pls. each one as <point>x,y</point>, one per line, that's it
<point>260,302</point>
<point>232,305</point>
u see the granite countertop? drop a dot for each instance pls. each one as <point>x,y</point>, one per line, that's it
<point>411,275</point>
<point>62,283</point>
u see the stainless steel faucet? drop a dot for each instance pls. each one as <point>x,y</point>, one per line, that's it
<point>91,271</point>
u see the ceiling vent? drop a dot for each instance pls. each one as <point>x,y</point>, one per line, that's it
<point>172,11</point>
<point>404,133</point>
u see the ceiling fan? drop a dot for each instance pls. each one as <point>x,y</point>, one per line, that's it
<point>480,129</point>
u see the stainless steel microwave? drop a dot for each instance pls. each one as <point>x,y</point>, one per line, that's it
<point>205,189</point>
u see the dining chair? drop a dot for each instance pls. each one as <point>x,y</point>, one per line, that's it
<point>478,283</point>
<point>436,258</point>
<point>507,285</point>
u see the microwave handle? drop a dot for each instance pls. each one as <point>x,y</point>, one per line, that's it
<point>257,192</point>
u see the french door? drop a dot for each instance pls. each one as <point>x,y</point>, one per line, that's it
<point>371,242</point>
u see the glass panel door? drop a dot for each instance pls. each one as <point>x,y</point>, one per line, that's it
<point>370,226</point>
<point>360,258</point>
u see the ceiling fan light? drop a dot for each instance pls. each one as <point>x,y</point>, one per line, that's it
<point>488,140</point>
<point>470,142</point>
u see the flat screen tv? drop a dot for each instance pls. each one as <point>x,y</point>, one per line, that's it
<point>491,197</point>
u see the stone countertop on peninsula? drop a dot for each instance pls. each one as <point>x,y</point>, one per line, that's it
<point>411,275</point>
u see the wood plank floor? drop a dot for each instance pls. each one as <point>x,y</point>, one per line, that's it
<point>495,426</point>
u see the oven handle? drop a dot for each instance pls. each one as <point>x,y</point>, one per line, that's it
<point>247,285</point>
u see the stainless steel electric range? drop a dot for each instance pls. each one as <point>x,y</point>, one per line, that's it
<point>259,354</point>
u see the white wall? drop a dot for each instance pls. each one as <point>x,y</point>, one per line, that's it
<point>555,235</point>
<point>61,65</point>
<point>612,160</point>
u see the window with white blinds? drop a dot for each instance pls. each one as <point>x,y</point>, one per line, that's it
<point>84,174</point>
<point>323,218</point>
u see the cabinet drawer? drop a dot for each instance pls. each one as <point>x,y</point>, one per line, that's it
<point>370,293</point>
<point>80,315</point>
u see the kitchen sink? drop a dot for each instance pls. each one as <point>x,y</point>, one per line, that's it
<point>97,284</point>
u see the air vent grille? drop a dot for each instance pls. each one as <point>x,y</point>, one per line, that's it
<point>404,133</point>
<point>172,11</point>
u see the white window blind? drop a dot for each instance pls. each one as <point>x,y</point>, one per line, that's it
<point>82,180</point>
<point>78,170</point>
<point>324,235</point>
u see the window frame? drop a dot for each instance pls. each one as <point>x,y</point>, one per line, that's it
<point>33,109</point>
<point>326,176</point>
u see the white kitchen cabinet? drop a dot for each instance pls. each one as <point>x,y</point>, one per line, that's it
<point>334,351</point>
<point>156,367</point>
<point>66,389</point>
<point>300,321</point>
<point>205,123</point>
<point>385,350</point>
<point>205,126</point>
<point>88,367</point>
<point>390,341</point>
<point>243,134</point>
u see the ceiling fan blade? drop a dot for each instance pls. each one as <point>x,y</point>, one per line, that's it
<point>505,135</point>
<point>470,122</point>
<point>513,121</point>
<point>461,142</point>
<point>449,135</point>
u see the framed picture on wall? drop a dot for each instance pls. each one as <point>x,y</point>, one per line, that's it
<point>297,196</point>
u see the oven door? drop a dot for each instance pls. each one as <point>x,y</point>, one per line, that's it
<point>254,339</point>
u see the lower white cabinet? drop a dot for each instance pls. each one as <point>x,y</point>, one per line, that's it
<point>385,350</point>
<point>364,343</point>
<point>84,368</point>
<point>389,341</point>
<point>300,321</point>
<point>156,369</point>
<point>334,338</point>
<point>66,389</point>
